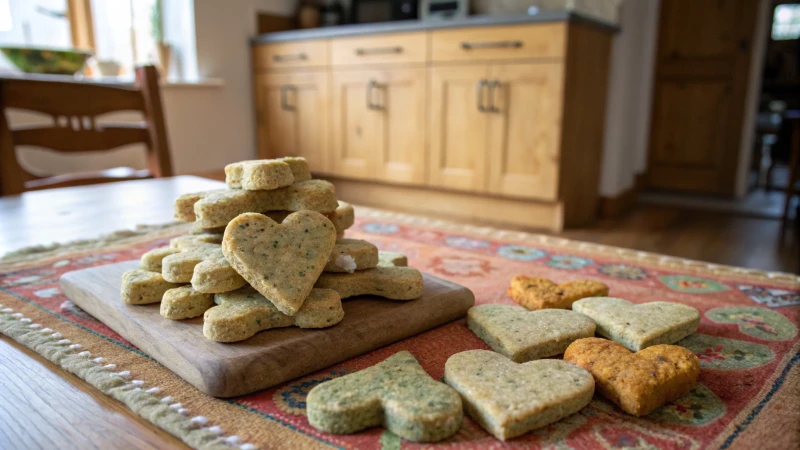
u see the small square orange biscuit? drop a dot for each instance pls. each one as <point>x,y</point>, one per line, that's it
<point>637,382</point>
<point>541,293</point>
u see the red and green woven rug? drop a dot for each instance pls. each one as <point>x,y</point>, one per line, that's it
<point>748,395</point>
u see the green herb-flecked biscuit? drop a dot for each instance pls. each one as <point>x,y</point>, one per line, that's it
<point>396,393</point>
<point>191,241</point>
<point>349,255</point>
<point>281,261</point>
<point>509,399</point>
<point>639,326</point>
<point>203,265</point>
<point>394,283</point>
<point>392,259</point>
<point>184,303</point>
<point>219,208</point>
<point>244,312</point>
<point>184,205</point>
<point>266,174</point>
<point>151,261</point>
<point>523,335</point>
<point>140,287</point>
<point>342,219</point>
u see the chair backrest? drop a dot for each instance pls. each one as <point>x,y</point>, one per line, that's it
<point>74,107</point>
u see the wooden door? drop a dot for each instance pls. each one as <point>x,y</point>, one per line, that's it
<point>357,129</point>
<point>702,68</point>
<point>293,119</point>
<point>525,129</point>
<point>458,129</point>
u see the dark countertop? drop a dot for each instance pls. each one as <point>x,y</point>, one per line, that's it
<point>421,25</point>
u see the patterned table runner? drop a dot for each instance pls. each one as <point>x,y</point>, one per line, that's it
<point>748,395</point>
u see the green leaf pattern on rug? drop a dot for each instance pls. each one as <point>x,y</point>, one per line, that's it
<point>754,321</point>
<point>699,407</point>
<point>727,354</point>
<point>692,285</point>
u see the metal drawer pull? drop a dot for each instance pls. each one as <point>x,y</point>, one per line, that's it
<point>293,57</point>
<point>370,86</point>
<point>378,50</point>
<point>284,97</point>
<point>480,87</point>
<point>491,44</point>
<point>493,84</point>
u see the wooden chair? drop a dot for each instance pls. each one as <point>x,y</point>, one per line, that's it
<point>74,107</point>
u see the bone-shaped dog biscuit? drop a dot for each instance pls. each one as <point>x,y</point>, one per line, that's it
<point>202,264</point>
<point>266,174</point>
<point>244,312</point>
<point>220,207</point>
<point>396,393</point>
<point>140,287</point>
<point>350,255</point>
<point>184,303</point>
<point>394,283</point>
<point>151,261</point>
<point>342,219</point>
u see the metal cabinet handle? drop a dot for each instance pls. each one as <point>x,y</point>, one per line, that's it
<point>291,57</point>
<point>378,50</point>
<point>370,86</point>
<point>284,97</point>
<point>480,87</point>
<point>493,84</point>
<point>491,44</point>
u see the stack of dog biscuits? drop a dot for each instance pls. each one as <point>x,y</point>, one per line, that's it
<point>268,251</point>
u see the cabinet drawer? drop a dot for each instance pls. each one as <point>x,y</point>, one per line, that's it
<point>286,55</point>
<point>380,49</point>
<point>499,43</point>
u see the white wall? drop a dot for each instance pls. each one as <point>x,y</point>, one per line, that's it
<point>627,129</point>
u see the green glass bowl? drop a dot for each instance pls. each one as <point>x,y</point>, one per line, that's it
<point>41,60</point>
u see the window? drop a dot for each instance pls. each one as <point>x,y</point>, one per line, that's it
<point>786,22</point>
<point>125,31</point>
<point>34,23</point>
<point>121,33</point>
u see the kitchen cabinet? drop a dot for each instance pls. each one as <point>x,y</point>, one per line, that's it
<point>291,108</point>
<point>379,124</point>
<point>479,121</point>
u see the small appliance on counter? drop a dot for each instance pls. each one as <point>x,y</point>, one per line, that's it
<point>368,11</point>
<point>444,9</point>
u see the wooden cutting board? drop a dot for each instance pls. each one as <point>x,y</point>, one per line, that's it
<point>270,357</point>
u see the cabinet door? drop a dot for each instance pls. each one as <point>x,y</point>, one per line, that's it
<point>525,129</point>
<point>458,129</point>
<point>357,129</point>
<point>292,110</point>
<point>400,97</point>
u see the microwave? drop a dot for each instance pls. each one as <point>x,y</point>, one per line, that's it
<point>443,9</point>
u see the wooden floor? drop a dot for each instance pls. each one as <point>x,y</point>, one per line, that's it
<point>721,238</point>
<point>716,237</point>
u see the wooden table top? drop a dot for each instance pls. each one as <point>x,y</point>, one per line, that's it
<point>85,212</point>
<point>44,406</point>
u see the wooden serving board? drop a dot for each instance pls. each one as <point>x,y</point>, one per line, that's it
<point>270,357</point>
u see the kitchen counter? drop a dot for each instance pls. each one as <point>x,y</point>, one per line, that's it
<point>421,25</point>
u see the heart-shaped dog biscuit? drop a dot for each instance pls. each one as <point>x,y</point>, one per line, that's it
<point>509,399</point>
<point>281,261</point>
<point>396,393</point>
<point>639,326</point>
<point>524,335</point>
<point>637,382</point>
<point>541,293</point>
